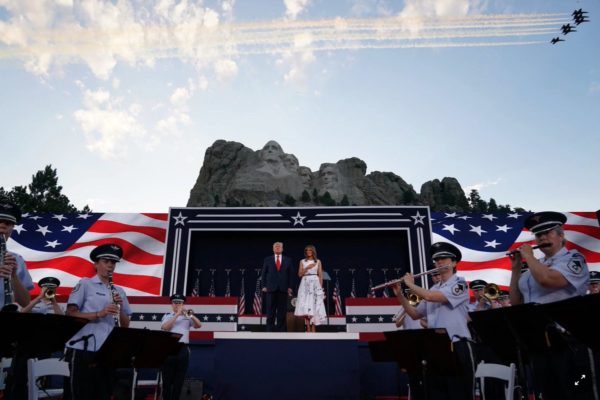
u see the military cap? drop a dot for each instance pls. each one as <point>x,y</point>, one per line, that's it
<point>49,281</point>
<point>9,212</point>
<point>503,295</point>
<point>594,277</point>
<point>477,284</point>
<point>544,221</point>
<point>109,251</point>
<point>177,298</point>
<point>444,250</point>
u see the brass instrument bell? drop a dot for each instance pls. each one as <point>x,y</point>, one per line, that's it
<point>50,283</point>
<point>491,292</point>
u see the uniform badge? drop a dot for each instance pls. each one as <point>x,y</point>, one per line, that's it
<point>459,288</point>
<point>76,288</point>
<point>575,265</point>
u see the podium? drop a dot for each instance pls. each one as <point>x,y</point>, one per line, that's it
<point>137,348</point>
<point>32,335</point>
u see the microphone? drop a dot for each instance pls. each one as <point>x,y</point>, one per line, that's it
<point>539,246</point>
<point>81,339</point>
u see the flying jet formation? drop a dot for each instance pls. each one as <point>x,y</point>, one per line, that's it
<point>556,40</point>
<point>567,28</point>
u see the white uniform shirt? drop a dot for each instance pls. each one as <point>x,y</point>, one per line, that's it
<point>91,295</point>
<point>22,273</point>
<point>182,325</point>
<point>451,315</point>
<point>571,264</point>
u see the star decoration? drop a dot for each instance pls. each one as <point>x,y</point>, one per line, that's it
<point>179,219</point>
<point>514,215</point>
<point>491,217</point>
<point>59,217</point>
<point>218,318</point>
<point>43,230</point>
<point>367,319</point>
<point>141,317</point>
<point>380,319</point>
<point>52,244</point>
<point>231,318</point>
<point>418,218</point>
<point>464,217</point>
<point>477,229</point>
<point>84,216</point>
<point>503,228</point>
<point>36,217</point>
<point>354,319</point>
<point>19,228</point>
<point>299,219</point>
<point>450,228</point>
<point>205,318</point>
<point>450,215</point>
<point>154,317</point>
<point>493,243</point>
<point>69,228</point>
<point>243,327</point>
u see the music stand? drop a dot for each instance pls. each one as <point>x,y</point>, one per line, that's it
<point>420,352</point>
<point>34,335</point>
<point>569,314</point>
<point>137,348</point>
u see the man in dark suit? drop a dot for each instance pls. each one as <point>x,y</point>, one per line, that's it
<point>277,274</point>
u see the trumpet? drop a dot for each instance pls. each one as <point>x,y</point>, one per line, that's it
<point>188,313</point>
<point>491,292</point>
<point>414,299</point>
<point>396,281</point>
<point>50,293</point>
<point>539,246</point>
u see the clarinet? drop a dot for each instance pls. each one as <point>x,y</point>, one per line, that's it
<point>9,295</point>
<point>113,292</point>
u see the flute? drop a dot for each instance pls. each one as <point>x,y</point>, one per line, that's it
<point>395,281</point>
<point>539,246</point>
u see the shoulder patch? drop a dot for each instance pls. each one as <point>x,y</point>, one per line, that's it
<point>76,288</point>
<point>459,288</point>
<point>575,265</point>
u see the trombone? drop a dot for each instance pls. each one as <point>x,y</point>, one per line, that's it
<point>396,281</point>
<point>491,292</point>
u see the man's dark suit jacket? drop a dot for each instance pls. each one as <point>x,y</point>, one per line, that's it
<point>273,280</point>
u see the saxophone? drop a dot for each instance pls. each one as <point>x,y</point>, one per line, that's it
<point>9,295</point>
<point>113,292</point>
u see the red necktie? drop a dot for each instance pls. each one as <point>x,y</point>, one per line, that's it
<point>277,263</point>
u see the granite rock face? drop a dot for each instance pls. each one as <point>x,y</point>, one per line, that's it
<point>234,175</point>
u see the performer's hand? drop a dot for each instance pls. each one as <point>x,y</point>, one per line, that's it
<point>311,265</point>
<point>42,293</point>
<point>290,292</point>
<point>111,309</point>
<point>117,298</point>
<point>409,279</point>
<point>526,252</point>
<point>516,261</point>
<point>264,290</point>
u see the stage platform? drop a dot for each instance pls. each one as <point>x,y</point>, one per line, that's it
<point>294,365</point>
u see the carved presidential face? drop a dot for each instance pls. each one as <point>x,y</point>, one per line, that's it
<point>290,162</point>
<point>271,152</point>
<point>305,176</point>
<point>329,176</point>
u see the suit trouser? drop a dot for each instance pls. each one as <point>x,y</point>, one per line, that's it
<point>88,381</point>
<point>276,311</point>
<point>173,373</point>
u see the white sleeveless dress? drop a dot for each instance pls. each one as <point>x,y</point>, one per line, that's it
<point>310,300</point>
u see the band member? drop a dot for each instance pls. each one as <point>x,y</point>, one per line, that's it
<point>12,265</point>
<point>445,306</point>
<point>400,317</point>
<point>480,302</point>
<point>45,302</point>
<point>105,306</point>
<point>276,276</point>
<point>594,286</point>
<point>175,367</point>
<point>504,299</point>
<point>558,275</point>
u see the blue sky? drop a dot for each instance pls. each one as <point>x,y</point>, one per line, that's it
<point>123,98</point>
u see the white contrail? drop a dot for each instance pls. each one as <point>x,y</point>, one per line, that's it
<point>135,42</point>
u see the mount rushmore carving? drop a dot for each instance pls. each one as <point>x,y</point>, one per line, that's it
<point>234,175</point>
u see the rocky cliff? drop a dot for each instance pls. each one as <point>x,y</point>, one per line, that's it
<point>234,175</point>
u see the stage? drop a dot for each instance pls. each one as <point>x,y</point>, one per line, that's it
<point>264,365</point>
